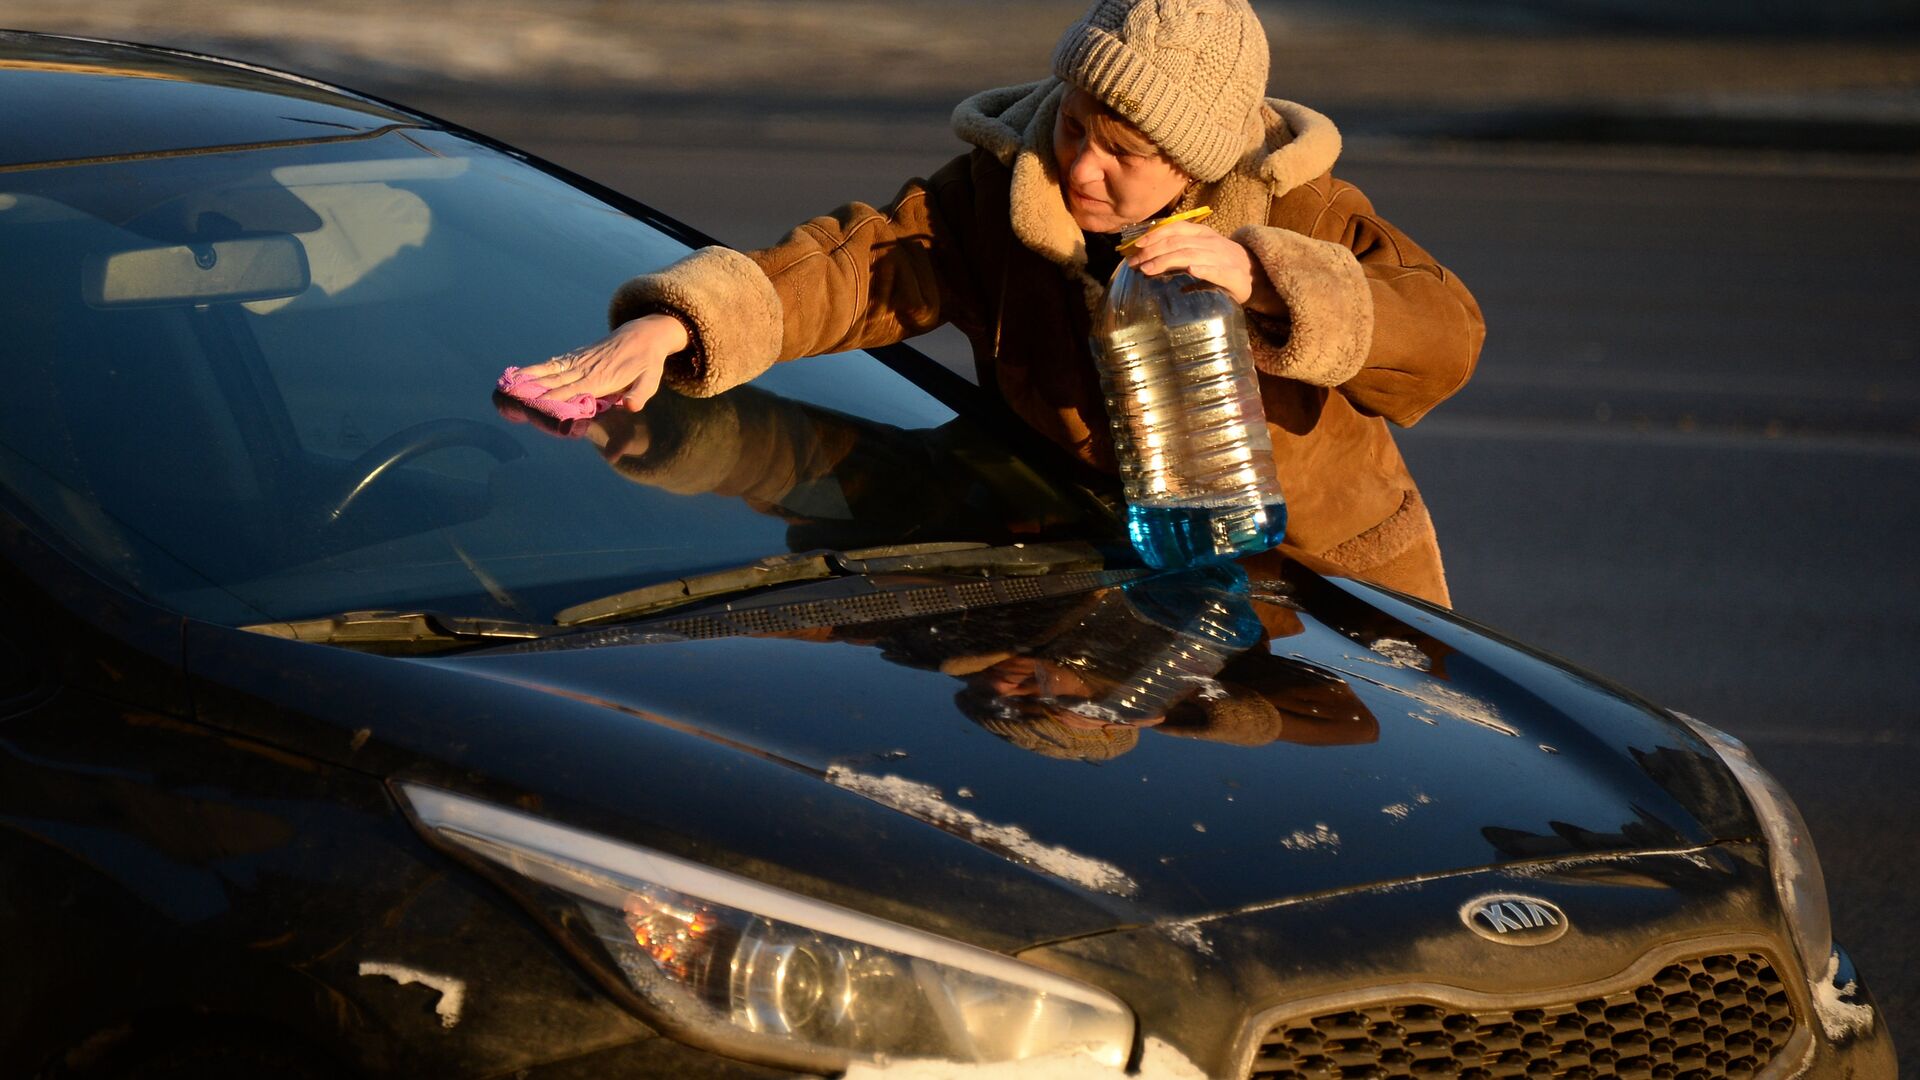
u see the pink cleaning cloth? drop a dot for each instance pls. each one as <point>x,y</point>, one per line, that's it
<point>529,393</point>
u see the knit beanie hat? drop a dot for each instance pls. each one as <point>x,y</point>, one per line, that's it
<point>1030,725</point>
<point>1187,73</point>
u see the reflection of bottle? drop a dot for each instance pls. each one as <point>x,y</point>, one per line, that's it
<point>1153,643</point>
<point>1183,397</point>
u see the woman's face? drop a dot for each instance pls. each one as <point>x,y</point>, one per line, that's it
<point>1034,688</point>
<point>1108,186</point>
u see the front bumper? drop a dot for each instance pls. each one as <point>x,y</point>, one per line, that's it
<point>1862,1050</point>
<point>1671,964</point>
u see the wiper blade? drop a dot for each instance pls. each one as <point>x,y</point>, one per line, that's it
<point>928,558</point>
<point>846,599</point>
<point>428,631</point>
<point>1012,559</point>
<point>772,570</point>
<point>398,628</point>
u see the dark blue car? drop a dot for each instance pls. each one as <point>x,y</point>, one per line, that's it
<point>355,722</point>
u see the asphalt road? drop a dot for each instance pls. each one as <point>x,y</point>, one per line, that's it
<point>1690,459</point>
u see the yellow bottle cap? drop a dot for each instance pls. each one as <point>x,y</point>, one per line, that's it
<point>1131,235</point>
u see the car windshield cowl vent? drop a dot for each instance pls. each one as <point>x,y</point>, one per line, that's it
<point>848,602</point>
<point>941,557</point>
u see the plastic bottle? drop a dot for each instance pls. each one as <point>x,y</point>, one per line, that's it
<point>1183,397</point>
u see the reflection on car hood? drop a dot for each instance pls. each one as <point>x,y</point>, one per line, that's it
<point>1334,737</point>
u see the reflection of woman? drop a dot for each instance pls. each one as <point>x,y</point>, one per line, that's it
<point>1032,685</point>
<point>1266,701</point>
<point>1155,105</point>
<point>1015,697</point>
<point>839,481</point>
<point>1028,671</point>
<point>1266,698</point>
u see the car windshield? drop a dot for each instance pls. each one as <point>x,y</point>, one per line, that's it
<point>256,385</point>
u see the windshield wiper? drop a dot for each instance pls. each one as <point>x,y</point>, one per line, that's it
<point>399,630</point>
<point>930,558</point>
<point>431,631</point>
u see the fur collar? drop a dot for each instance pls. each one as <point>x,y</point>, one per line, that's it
<point>1015,124</point>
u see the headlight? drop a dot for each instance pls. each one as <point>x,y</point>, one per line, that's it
<point>756,972</point>
<point>1796,867</point>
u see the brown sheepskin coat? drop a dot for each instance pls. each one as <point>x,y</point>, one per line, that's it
<point>1376,331</point>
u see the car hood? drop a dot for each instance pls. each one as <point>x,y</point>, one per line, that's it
<point>1342,737</point>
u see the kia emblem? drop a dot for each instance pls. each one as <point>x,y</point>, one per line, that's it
<point>1512,919</point>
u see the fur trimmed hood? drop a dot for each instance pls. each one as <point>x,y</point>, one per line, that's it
<point>1293,145</point>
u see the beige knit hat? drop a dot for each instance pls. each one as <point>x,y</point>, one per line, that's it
<point>1188,73</point>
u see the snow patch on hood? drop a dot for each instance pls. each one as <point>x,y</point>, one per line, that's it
<point>1839,1018</point>
<point>1400,811</point>
<point>1158,1061</point>
<point>1450,702</point>
<point>1394,652</point>
<point>1320,837</point>
<point>1188,934</point>
<point>1210,688</point>
<point>1437,699</point>
<point>1566,864</point>
<point>453,992</point>
<point>1091,710</point>
<point>925,803</point>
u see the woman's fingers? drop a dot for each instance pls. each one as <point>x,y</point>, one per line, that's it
<point>1185,242</point>
<point>1199,251</point>
<point>560,378</point>
<point>627,363</point>
<point>597,379</point>
<point>542,370</point>
<point>568,367</point>
<point>1176,233</point>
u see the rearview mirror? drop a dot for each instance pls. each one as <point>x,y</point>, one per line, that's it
<point>221,272</point>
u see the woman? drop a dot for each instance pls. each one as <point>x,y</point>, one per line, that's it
<point>1154,106</point>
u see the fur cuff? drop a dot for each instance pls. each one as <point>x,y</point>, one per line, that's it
<point>1329,306</point>
<point>727,302</point>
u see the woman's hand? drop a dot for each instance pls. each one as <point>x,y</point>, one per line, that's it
<point>627,362</point>
<point>1198,250</point>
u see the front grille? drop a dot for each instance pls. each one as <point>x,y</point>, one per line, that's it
<point>1715,1016</point>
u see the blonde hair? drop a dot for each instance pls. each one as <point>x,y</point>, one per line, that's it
<point>1112,131</point>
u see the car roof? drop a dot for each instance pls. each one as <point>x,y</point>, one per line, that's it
<point>71,100</point>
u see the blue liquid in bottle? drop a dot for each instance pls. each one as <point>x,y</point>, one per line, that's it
<point>1167,534</point>
<point>1189,432</point>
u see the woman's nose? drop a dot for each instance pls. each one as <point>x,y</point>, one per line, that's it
<point>1086,166</point>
